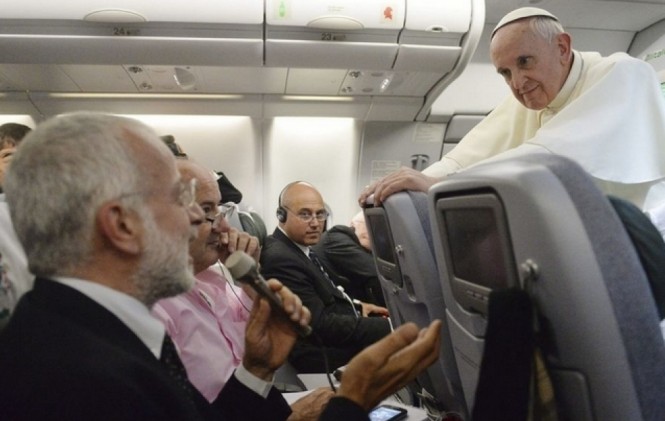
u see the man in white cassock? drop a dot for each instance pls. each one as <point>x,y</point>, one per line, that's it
<point>605,113</point>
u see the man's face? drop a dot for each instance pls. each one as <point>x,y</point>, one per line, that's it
<point>534,69</point>
<point>303,200</point>
<point>169,223</point>
<point>205,248</point>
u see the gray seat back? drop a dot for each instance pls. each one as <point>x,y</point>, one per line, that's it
<point>401,227</point>
<point>558,237</point>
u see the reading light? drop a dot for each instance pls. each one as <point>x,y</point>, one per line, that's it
<point>184,78</point>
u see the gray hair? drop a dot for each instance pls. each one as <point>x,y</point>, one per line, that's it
<point>64,171</point>
<point>546,27</point>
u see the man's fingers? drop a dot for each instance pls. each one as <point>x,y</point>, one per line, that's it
<point>424,350</point>
<point>399,339</point>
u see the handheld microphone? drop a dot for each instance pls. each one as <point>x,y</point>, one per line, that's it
<point>243,268</point>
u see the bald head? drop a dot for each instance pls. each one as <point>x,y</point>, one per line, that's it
<point>205,179</point>
<point>302,201</point>
<point>360,228</point>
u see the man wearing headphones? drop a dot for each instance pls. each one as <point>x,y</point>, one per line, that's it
<point>339,325</point>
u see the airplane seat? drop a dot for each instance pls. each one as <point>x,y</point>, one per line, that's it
<point>248,225</point>
<point>233,217</point>
<point>649,245</point>
<point>248,221</point>
<point>539,223</point>
<point>401,239</point>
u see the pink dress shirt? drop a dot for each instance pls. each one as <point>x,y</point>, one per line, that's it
<point>207,325</point>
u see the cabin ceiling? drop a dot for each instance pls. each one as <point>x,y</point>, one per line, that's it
<point>170,74</point>
<point>624,15</point>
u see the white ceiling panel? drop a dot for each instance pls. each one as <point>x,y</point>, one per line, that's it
<point>315,81</point>
<point>99,78</point>
<point>39,77</point>
<point>243,80</point>
<point>595,14</point>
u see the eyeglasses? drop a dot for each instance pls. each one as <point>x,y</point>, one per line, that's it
<point>308,216</point>
<point>219,212</point>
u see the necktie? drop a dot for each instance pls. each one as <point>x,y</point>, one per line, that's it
<point>314,258</point>
<point>171,361</point>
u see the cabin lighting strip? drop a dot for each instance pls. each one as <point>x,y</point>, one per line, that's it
<point>78,95</point>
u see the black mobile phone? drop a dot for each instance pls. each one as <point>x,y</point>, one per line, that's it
<point>387,413</point>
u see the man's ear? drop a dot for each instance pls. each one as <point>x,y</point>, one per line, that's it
<point>564,42</point>
<point>121,227</point>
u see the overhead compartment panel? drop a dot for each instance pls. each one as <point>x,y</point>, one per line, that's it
<point>361,58</point>
<point>197,11</point>
<point>192,32</point>
<point>432,35</point>
<point>333,33</point>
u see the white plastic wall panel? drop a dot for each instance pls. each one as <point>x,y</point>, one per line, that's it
<point>335,55</point>
<point>277,106</point>
<point>15,104</point>
<point>382,83</point>
<point>199,11</point>
<point>314,81</point>
<point>394,109</point>
<point>39,78</point>
<point>426,58</point>
<point>247,106</point>
<point>63,49</point>
<point>96,78</point>
<point>337,14</point>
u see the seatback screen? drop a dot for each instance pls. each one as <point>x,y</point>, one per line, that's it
<point>381,241</point>
<point>475,247</point>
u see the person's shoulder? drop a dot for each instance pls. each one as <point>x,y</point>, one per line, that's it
<point>618,58</point>
<point>341,229</point>
<point>272,242</point>
<point>275,247</point>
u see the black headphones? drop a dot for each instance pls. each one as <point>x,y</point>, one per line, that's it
<point>281,212</point>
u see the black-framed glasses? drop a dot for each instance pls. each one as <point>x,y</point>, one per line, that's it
<point>307,217</point>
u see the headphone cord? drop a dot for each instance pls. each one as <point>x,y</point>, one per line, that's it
<point>233,290</point>
<point>315,338</point>
<point>326,363</point>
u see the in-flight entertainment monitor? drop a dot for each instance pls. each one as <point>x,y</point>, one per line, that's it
<point>383,245</point>
<point>476,246</point>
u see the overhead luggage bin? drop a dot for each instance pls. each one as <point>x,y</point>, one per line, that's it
<point>133,31</point>
<point>198,11</point>
<point>432,36</point>
<point>334,33</point>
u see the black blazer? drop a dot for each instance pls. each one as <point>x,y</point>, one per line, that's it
<point>63,356</point>
<point>340,249</point>
<point>333,320</point>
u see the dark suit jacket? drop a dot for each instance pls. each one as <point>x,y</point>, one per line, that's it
<point>63,356</point>
<point>340,249</point>
<point>333,320</point>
